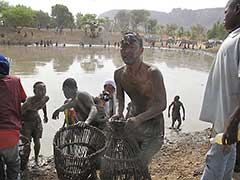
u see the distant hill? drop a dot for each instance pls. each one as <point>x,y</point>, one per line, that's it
<point>182,17</point>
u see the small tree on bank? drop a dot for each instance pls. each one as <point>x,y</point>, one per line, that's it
<point>217,31</point>
<point>64,18</point>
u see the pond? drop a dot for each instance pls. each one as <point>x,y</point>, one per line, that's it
<point>185,74</point>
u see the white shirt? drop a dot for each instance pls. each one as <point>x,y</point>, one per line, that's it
<point>222,92</point>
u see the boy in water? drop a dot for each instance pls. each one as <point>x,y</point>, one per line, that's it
<point>176,115</point>
<point>32,125</point>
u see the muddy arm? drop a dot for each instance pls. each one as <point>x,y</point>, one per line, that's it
<point>231,133</point>
<point>119,96</point>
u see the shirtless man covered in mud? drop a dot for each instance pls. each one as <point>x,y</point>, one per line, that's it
<point>144,85</point>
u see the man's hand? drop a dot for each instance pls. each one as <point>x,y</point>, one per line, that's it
<point>116,117</point>
<point>56,114</point>
<point>88,121</point>
<point>45,119</point>
<point>230,135</point>
<point>133,122</point>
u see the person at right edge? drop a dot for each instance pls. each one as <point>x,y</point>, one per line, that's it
<point>222,99</point>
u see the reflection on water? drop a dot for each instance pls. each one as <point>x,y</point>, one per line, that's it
<point>180,58</point>
<point>185,73</point>
<point>92,58</point>
<point>25,60</point>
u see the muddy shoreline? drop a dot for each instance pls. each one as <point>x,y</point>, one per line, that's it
<point>181,157</point>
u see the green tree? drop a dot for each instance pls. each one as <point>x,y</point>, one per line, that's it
<point>218,31</point>
<point>86,19</point>
<point>138,17</point>
<point>122,20</point>
<point>42,19</point>
<point>103,21</point>
<point>151,26</point>
<point>78,20</point>
<point>63,17</point>
<point>187,34</point>
<point>19,16</point>
<point>3,6</point>
<point>53,23</point>
<point>180,32</point>
<point>161,30</point>
<point>171,29</point>
<point>107,24</point>
<point>89,22</point>
<point>198,32</point>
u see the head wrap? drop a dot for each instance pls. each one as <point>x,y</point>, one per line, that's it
<point>4,65</point>
<point>110,82</point>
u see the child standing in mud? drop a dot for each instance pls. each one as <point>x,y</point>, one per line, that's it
<point>176,115</point>
<point>32,125</point>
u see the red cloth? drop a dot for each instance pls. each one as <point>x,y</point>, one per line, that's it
<point>11,96</point>
<point>8,138</point>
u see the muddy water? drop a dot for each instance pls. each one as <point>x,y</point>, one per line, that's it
<point>185,74</point>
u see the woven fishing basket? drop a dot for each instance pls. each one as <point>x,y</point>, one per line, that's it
<point>77,150</point>
<point>122,158</point>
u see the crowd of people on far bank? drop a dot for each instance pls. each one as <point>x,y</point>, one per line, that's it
<point>144,84</point>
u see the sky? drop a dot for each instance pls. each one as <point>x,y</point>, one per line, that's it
<point>100,6</point>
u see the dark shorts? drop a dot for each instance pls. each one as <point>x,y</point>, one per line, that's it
<point>150,137</point>
<point>176,116</point>
<point>149,147</point>
<point>32,129</point>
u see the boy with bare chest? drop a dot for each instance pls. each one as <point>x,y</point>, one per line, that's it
<point>32,125</point>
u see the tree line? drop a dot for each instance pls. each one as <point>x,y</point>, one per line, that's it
<point>20,16</point>
<point>140,20</point>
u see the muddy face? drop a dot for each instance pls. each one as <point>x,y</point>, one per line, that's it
<point>131,49</point>
<point>40,90</point>
<point>68,92</point>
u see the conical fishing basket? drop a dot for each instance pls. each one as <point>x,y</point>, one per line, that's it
<point>24,151</point>
<point>76,151</point>
<point>121,160</point>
